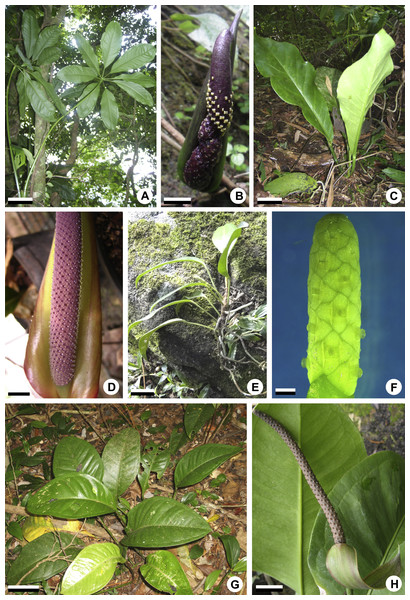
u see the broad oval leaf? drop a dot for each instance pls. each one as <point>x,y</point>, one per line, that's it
<point>121,459</point>
<point>87,52</point>
<point>111,42</point>
<point>289,183</point>
<point>42,558</point>
<point>369,500</point>
<point>293,79</point>
<point>211,579</point>
<point>134,58</point>
<point>136,91</point>
<point>162,522</point>
<point>72,497</point>
<point>74,455</point>
<point>109,110</point>
<point>76,74</point>
<point>88,100</point>
<point>201,461</point>
<point>358,85</point>
<point>91,570</point>
<point>163,571</point>
<point>284,507</point>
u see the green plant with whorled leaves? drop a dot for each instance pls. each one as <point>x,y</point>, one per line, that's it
<point>318,91</point>
<point>95,82</point>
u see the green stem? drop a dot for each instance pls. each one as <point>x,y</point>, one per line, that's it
<point>8,132</point>
<point>53,126</point>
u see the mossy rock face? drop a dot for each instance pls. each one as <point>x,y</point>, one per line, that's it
<point>157,237</point>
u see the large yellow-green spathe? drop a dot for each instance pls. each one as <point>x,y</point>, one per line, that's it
<point>334,309</point>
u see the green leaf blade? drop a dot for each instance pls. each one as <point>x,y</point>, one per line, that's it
<point>87,52</point>
<point>293,79</point>
<point>197,464</point>
<point>43,558</point>
<point>72,496</point>
<point>134,58</point>
<point>109,110</point>
<point>195,417</point>
<point>76,74</point>
<point>74,455</point>
<point>30,31</point>
<point>162,522</point>
<point>358,85</point>
<point>163,571</point>
<point>47,38</point>
<point>88,100</point>
<point>121,459</point>
<point>91,570</point>
<point>136,91</point>
<point>111,42</point>
<point>224,238</point>
<point>39,101</point>
<point>232,549</point>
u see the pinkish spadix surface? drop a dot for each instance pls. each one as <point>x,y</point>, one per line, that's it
<point>65,297</point>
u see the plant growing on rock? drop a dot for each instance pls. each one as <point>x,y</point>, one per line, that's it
<point>229,326</point>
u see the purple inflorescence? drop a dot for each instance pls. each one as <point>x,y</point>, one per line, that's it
<point>65,297</point>
<point>198,170</point>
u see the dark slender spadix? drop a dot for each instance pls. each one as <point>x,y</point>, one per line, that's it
<point>65,297</point>
<point>203,154</point>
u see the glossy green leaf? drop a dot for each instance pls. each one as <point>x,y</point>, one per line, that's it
<point>111,43</point>
<point>195,417</point>
<point>232,549</point>
<point>42,558</point>
<point>170,262</point>
<point>369,500</point>
<point>121,458</point>
<point>358,85</point>
<point>91,570</point>
<point>284,507</point>
<point>162,522</point>
<point>198,463</point>
<point>22,89</point>
<point>74,455</point>
<point>50,91</point>
<point>15,530</point>
<point>163,571</point>
<point>143,341</point>
<point>39,100</point>
<point>136,91</point>
<point>47,38</point>
<point>30,31</point>
<point>134,58</point>
<point>76,74</point>
<point>72,497</point>
<point>211,579</point>
<point>293,79</point>
<point>87,52</point>
<point>241,566</point>
<point>88,99</point>
<point>289,183</point>
<point>161,462</point>
<point>109,110</point>
<point>225,238</point>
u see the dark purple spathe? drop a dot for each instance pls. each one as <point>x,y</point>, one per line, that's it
<point>198,170</point>
<point>65,296</point>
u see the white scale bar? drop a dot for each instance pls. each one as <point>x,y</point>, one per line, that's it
<point>182,200</point>
<point>285,391</point>
<point>22,588</point>
<point>268,587</point>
